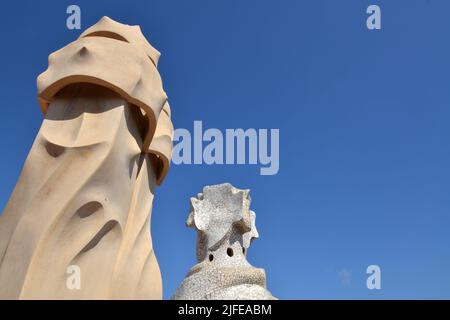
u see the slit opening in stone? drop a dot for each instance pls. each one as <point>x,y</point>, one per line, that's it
<point>88,209</point>
<point>109,226</point>
<point>54,150</point>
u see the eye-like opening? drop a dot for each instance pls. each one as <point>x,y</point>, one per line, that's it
<point>106,34</point>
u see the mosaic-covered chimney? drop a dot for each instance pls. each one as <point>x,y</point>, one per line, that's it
<point>226,228</point>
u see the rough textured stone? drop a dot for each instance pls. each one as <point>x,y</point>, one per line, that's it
<point>225,229</point>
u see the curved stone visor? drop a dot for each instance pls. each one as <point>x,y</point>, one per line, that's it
<point>123,68</point>
<point>161,144</point>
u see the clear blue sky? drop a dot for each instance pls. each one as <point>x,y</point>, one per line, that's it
<point>364,130</point>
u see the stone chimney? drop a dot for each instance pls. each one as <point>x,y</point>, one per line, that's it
<point>225,230</point>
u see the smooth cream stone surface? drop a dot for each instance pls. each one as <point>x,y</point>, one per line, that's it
<point>84,197</point>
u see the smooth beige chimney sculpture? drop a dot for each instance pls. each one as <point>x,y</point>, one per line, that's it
<point>81,208</point>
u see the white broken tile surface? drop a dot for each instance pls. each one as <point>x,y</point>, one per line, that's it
<point>225,229</point>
